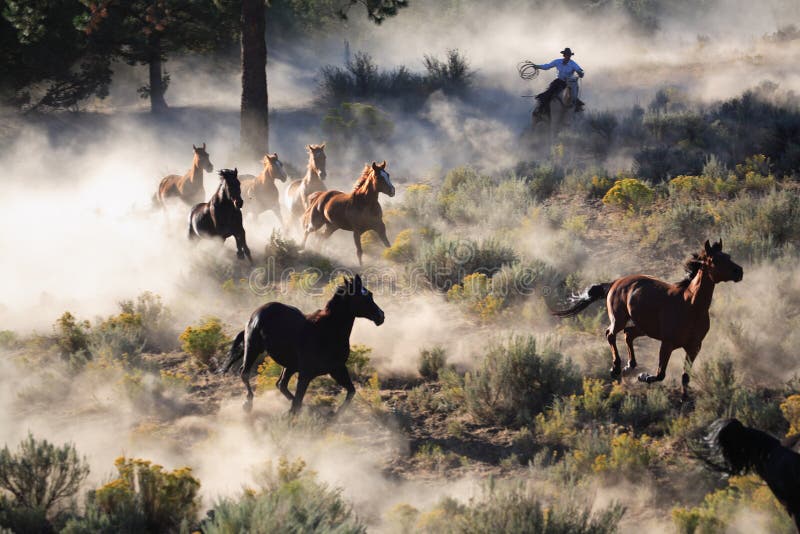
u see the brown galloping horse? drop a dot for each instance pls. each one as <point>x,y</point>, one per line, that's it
<point>260,191</point>
<point>189,187</point>
<point>311,345</point>
<point>298,191</point>
<point>221,216</point>
<point>675,314</point>
<point>358,211</point>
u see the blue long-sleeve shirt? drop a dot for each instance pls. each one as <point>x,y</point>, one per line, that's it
<point>565,70</point>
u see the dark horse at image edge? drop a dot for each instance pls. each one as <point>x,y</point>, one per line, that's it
<point>310,345</point>
<point>221,216</point>
<point>675,314</point>
<point>743,449</point>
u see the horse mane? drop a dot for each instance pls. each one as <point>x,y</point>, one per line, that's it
<point>740,448</point>
<point>692,266</point>
<point>362,184</point>
<point>266,169</point>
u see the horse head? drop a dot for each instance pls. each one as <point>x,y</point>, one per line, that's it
<point>316,160</point>
<point>274,167</point>
<point>718,265</point>
<point>360,301</point>
<point>383,182</point>
<point>230,186</point>
<point>202,158</point>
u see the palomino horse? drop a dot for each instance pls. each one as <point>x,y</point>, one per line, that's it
<point>261,192</point>
<point>311,345</point>
<point>189,187</point>
<point>296,195</point>
<point>675,314</point>
<point>742,449</point>
<point>222,215</point>
<point>358,211</point>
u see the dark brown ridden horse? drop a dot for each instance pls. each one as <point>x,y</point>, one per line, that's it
<point>260,191</point>
<point>311,345</point>
<point>675,314</point>
<point>358,211</point>
<point>221,216</point>
<point>298,191</point>
<point>189,187</point>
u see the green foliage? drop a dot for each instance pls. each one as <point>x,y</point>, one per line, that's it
<point>8,339</point>
<point>359,364</point>
<point>518,510</point>
<point>403,249</point>
<point>629,456</point>
<point>476,294</point>
<point>205,340</point>
<point>40,475</point>
<point>743,495</point>
<point>516,381</point>
<point>452,75</point>
<point>445,262</point>
<point>72,336</point>
<point>289,499</point>
<point>154,318</point>
<point>467,196</point>
<point>629,194</point>
<point>143,498</point>
<point>361,126</point>
<point>431,361</point>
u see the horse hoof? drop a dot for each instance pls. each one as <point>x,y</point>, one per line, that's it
<point>643,377</point>
<point>615,372</point>
<point>247,406</point>
<point>628,369</point>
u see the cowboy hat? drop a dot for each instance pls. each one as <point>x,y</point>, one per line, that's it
<point>567,52</point>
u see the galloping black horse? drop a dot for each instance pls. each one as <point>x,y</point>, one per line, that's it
<point>221,216</point>
<point>311,345</point>
<point>744,449</point>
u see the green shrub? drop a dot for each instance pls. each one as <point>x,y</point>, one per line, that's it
<point>40,475</point>
<point>8,339</point>
<point>516,381</point>
<point>476,295</point>
<point>72,336</point>
<point>743,495</point>
<point>445,262</point>
<point>629,194</point>
<point>431,361</point>
<point>629,456</point>
<point>204,341</point>
<point>467,196</point>
<point>517,510</point>
<point>119,337</point>
<point>289,500</point>
<point>155,320</point>
<point>403,249</point>
<point>144,498</point>
<point>362,126</point>
<point>359,364</point>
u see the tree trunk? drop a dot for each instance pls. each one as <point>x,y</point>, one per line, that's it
<point>254,132</point>
<point>157,89</point>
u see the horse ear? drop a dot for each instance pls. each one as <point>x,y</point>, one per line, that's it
<point>308,147</point>
<point>707,247</point>
<point>204,146</point>
<point>383,165</point>
<point>718,245</point>
<point>322,145</point>
<point>194,147</point>
<point>375,165</point>
<point>357,281</point>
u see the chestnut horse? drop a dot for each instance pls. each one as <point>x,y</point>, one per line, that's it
<point>189,187</point>
<point>221,216</point>
<point>260,191</point>
<point>298,191</point>
<point>358,211</point>
<point>311,345</point>
<point>675,314</point>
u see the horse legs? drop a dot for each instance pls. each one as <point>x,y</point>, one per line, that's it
<point>663,359</point>
<point>302,385</point>
<point>342,377</point>
<point>283,383</point>
<point>359,252</point>
<point>252,348</point>
<point>691,354</point>
<point>631,333</point>
<point>242,249</point>
<point>381,231</point>
<point>611,337</point>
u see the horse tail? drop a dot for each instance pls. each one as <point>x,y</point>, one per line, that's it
<point>581,302</point>
<point>234,354</point>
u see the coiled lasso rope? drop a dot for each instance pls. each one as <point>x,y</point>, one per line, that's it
<point>527,70</point>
